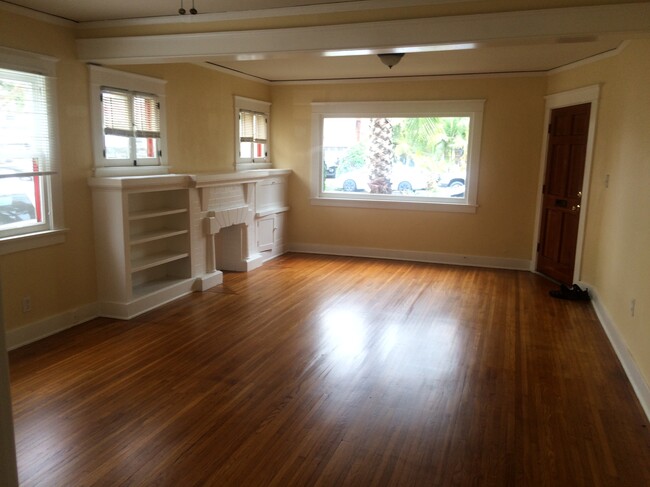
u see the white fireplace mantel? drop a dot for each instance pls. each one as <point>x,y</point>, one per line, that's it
<point>162,236</point>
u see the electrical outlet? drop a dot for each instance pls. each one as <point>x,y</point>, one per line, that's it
<point>27,304</point>
<point>632,307</point>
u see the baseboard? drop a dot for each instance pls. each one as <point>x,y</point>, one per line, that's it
<point>17,337</point>
<point>632,371</point>
<point>412,255</point>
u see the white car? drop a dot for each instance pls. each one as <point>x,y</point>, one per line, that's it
<point>404,179</point>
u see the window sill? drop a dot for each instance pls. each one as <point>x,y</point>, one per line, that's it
<point>116,171</point>
<point>19,243</point>
<point>247,166</point>
<point>395,205</point>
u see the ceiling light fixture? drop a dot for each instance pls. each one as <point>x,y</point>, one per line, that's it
<point>391,59</point>
<point>182,10</point>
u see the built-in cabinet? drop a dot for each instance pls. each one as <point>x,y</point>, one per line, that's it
<point>272,203</point>
<point>155,235</point>
<point>159,241</point>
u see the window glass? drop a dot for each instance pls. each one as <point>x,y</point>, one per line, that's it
<point>26,156</point>
<point>252,122</point>
<point>412,156</point>
<point>131,127</point>
<point>253,128</point>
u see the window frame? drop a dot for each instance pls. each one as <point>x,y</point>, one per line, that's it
<point>51,230</point>
<point>397,109</point>
<point>256,107</point>
<point>104,79</point>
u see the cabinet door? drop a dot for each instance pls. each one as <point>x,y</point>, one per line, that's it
<point>265,231</point>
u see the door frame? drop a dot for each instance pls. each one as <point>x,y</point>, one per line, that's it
<point>588,94</point>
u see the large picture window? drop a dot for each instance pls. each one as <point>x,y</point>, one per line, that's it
<point>379,154</point>
<point>28,162</point>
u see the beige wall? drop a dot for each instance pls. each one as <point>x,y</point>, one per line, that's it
<point>617,242</point>
<point>61,278</point>
<point>200,114</point>
<point>502,227</point>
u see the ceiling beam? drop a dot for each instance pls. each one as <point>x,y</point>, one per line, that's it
<point>577,24</point>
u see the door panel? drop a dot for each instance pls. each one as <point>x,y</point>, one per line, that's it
<point>562,192</point>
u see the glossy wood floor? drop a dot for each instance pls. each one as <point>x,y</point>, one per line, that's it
<point>335,371</point>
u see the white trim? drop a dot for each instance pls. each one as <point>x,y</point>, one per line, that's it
<point>393,204</point>
<point>260,106</point>
<point>587,94</point>
<point>17,337</point>
<point>589,60</point>
<point>30,62</point>
<point>401,79</point>
<point>29,241</point>
<point>412,256</point>
<point>634,375</point>
<point>140,305</point>
<point>103,77</point>
<point>548,25</point>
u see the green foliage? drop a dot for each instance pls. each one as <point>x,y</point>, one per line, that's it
<point>354,158</point>
<point>444,138</point>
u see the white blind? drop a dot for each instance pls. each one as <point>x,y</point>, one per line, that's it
<point>246,126</point>
<point>129,114</point>
<point>146,114</point>
<point>26,126</point>
<point>260,128</point>
<point>252,127</point>
<point>116,111</point>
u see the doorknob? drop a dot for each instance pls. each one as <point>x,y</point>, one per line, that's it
<point>579,194</point>
<point>576,207</point>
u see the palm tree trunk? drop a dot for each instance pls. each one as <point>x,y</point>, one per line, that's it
<point>382,155</point>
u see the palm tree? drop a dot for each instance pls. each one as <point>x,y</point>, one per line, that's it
<point>381,155</point>
<point>451,138</point>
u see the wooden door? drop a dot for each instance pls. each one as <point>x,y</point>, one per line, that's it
<point>562,192</point>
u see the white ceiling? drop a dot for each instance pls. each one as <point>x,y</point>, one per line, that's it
<point>490,43</point>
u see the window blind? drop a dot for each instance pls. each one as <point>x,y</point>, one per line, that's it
<point>260,128</point>
<point>252,127</point>
<point>116,111</point>
<point>25,123</point>
<point>146,114</point>
<point>127,114</point>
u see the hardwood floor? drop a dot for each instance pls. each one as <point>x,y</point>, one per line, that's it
<point>335,371</point>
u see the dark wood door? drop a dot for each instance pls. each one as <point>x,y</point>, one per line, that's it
<point>562,192</point>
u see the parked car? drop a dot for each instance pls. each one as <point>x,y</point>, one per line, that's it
<point>330,171</point>
<point>404,179</point>
<point>15,208</point>
<point>452,179</point>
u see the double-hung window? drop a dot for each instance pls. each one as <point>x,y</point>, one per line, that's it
<point>29,169</point>
<point>409,155</point>
<point>252,121</point>
<point>128,114</point>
